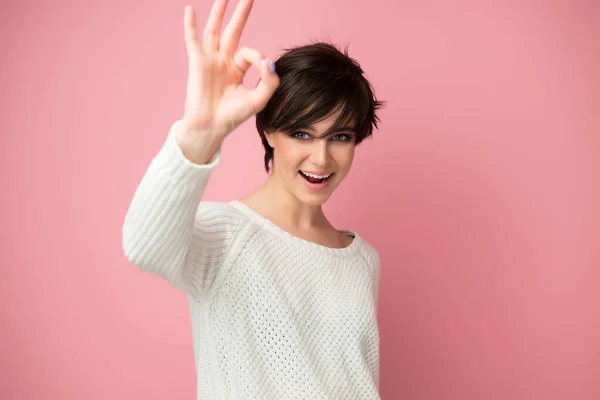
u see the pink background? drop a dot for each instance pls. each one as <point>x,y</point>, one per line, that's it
<point>480,191</point>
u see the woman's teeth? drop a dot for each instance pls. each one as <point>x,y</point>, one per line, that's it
<point>312,178</point>
<point>316,176</point>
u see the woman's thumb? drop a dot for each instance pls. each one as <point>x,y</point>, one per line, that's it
<point>268,83</point>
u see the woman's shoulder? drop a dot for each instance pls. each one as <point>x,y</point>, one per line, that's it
<point>368,251</point>
<point>219,211</point>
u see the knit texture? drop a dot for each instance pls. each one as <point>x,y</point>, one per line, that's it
<point>273,316</point>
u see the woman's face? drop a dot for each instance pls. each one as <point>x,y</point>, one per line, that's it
<point>310,165</point>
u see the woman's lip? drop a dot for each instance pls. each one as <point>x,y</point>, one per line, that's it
<point>319,173</point>
<point>315,186</point>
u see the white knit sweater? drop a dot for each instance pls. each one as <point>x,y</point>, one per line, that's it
<point>273,316</point>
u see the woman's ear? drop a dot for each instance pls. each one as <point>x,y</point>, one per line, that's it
<point>270,138</point>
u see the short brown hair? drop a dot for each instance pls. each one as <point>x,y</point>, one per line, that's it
<point>315,81</point>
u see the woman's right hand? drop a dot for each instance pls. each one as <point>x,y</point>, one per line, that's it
<point>216,101</point>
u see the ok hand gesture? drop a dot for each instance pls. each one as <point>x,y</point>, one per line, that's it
<point>216,101</point>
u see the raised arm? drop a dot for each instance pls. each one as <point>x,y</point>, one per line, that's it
<point>166,231</point>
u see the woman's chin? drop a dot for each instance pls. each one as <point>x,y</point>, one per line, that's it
<point>314,201</point>
<point>313,198</point>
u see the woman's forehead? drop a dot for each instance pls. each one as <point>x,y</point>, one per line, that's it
<point>335,121</point>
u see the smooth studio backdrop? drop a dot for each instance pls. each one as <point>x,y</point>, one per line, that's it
<point>480,190</point>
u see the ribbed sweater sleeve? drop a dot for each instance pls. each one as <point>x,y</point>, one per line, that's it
<point>166,230</point>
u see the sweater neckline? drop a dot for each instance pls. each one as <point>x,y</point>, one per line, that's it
<point>302,242</point>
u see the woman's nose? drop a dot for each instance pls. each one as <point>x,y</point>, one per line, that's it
<point>320,152</point>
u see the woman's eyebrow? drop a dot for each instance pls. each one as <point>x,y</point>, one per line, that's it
<point>349,129</point>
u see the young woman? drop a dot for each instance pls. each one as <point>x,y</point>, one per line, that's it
<point>283,305</point>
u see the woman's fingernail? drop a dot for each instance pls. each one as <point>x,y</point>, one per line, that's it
<point>272,66</point>
<point>261,62</point>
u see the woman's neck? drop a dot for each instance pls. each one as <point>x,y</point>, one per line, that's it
<point>273,201</point>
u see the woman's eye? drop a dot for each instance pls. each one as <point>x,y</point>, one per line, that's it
<point>342,138</point>
<point>336,138</point>
<point>299,135</point>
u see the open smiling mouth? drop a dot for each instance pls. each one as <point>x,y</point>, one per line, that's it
<point>313,179</point>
